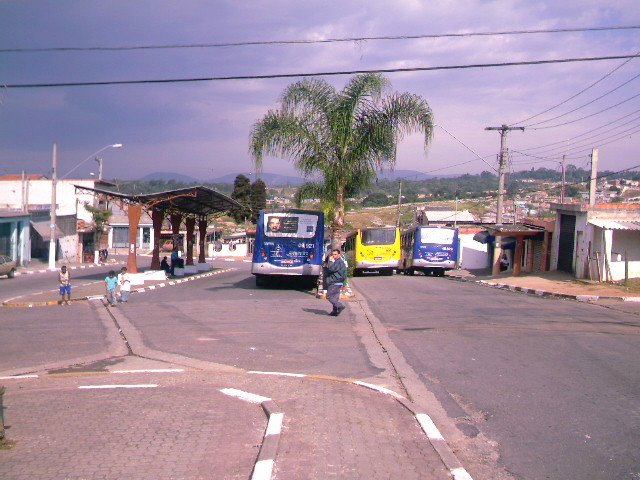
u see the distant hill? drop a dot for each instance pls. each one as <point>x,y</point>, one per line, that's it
<point>413,175</point>
<point>166,176</point>
<point>271,179</point>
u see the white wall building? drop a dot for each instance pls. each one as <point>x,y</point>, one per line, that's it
<point>600,242</point>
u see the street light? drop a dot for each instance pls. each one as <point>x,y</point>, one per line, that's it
<point>115,145</point>
<point>54,181</point>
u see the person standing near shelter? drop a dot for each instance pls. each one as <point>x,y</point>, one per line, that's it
<point>65,285</point>
<point>336,276</point>
<point>111,282</point>
<point>125,285</point>
<point>174,260</point>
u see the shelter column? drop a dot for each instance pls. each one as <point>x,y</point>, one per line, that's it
<point>517,261</point>
<point>176,219</point>
<point>497,254</point>
<point>134,211</point>
<point>191,225</point>
<point>202,228</point>
<point>545,251</point>
<point>157,217</point>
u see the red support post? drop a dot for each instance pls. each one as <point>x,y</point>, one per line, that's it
<point>202,228</point>
<point>157,217</point>
<point>191,225</point>
<point>134,211</point>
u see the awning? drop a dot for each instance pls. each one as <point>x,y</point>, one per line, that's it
<point>616,224</point>
<point>482,237</point>
<point>44,230</point>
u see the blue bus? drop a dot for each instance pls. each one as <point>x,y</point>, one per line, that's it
<point>429,249</point>
<point>288,242</point>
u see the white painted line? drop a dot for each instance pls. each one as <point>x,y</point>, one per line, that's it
<point>631,299</point>
<point>145,385</point>
<point>378,388</point>
<point>429,427</point>
<point>151,370</point>
<point>262,470</point>
<point>249,397</point>
<point>274,427</point>
<point>460,474</point>
<point>283,374</point>
<point>18,377</point>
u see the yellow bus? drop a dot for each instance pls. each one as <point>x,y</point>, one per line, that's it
<point>374,249</point>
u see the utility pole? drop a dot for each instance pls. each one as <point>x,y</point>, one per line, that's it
<point>593,180</point>
<point>564,179</point>
<point>502,167</point>
<point>399,203</point>
<point>99,160</point>
<point>54,181</point>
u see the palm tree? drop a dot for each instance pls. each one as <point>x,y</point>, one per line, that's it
<point>345,136</point>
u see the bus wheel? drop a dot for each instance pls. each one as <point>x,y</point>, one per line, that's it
<point>356,272</point>
<point>387,272</point>
<point>410,271</point>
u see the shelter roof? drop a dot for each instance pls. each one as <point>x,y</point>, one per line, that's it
<point>193,201</point>
<point>513,230</point>
<point>616,224</point>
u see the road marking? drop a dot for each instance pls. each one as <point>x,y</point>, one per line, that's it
<point>274,427</point>
<point>460,474</point>
<point>378,388</point>
<point>262,470</point>
<point>18,377</point>
<point>429,427</point>
<point>145,385</point>
<point>151,370</point>
<point>283,374</point>
<point>249,397</point>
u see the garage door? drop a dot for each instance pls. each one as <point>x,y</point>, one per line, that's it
<point>566,242</point>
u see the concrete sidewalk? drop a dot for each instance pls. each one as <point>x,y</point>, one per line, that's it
<point>96,290</point>
<point>554,283</point>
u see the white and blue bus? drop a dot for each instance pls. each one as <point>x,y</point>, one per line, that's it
<point>288,243</point>
<point>429,249</point>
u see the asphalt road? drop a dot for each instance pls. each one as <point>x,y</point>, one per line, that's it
<point>555,383</point>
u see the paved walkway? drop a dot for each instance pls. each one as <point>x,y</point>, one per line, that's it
<point>550,283</point>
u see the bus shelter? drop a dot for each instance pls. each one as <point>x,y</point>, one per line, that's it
<point>520,233</point>
<point>192,205</point>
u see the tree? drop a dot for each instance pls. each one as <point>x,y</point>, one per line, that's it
<point>345,136</point>
<point>257,198</point>
<point>376,199</point>
<point>100,217</point>
<point>241,194</point>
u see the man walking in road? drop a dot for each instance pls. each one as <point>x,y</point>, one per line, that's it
<point>336,276</point>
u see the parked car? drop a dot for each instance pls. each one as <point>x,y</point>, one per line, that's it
<point>7,266</point>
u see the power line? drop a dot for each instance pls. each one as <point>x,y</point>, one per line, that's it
<point>576,95</point>
<point>589,140</point>
<point>318,74</point>
<point>586,116</point>
<point>316,41</point>
<point>585,104</point>
<point>587,132</point>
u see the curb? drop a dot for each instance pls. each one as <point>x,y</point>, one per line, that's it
<point>263,468</point>
<point>437,441</point>
<point>75,267</point>
<point>544,293</point>
<point>100,297</point>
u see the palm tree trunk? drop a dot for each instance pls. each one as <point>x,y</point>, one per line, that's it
<point>338,219</point>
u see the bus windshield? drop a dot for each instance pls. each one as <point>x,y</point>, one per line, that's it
<point>378,236</point>
<point>437,236</point>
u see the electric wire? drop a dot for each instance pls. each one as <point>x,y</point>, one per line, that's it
<point>585,104</point>
<point>575,95</point>
<point>317,41</point>
<point>321,74</point>
<point>587,116</point>
<point>590,140</point>
<point>587,132</point>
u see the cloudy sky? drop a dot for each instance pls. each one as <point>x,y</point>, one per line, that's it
<point>201,129</point>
